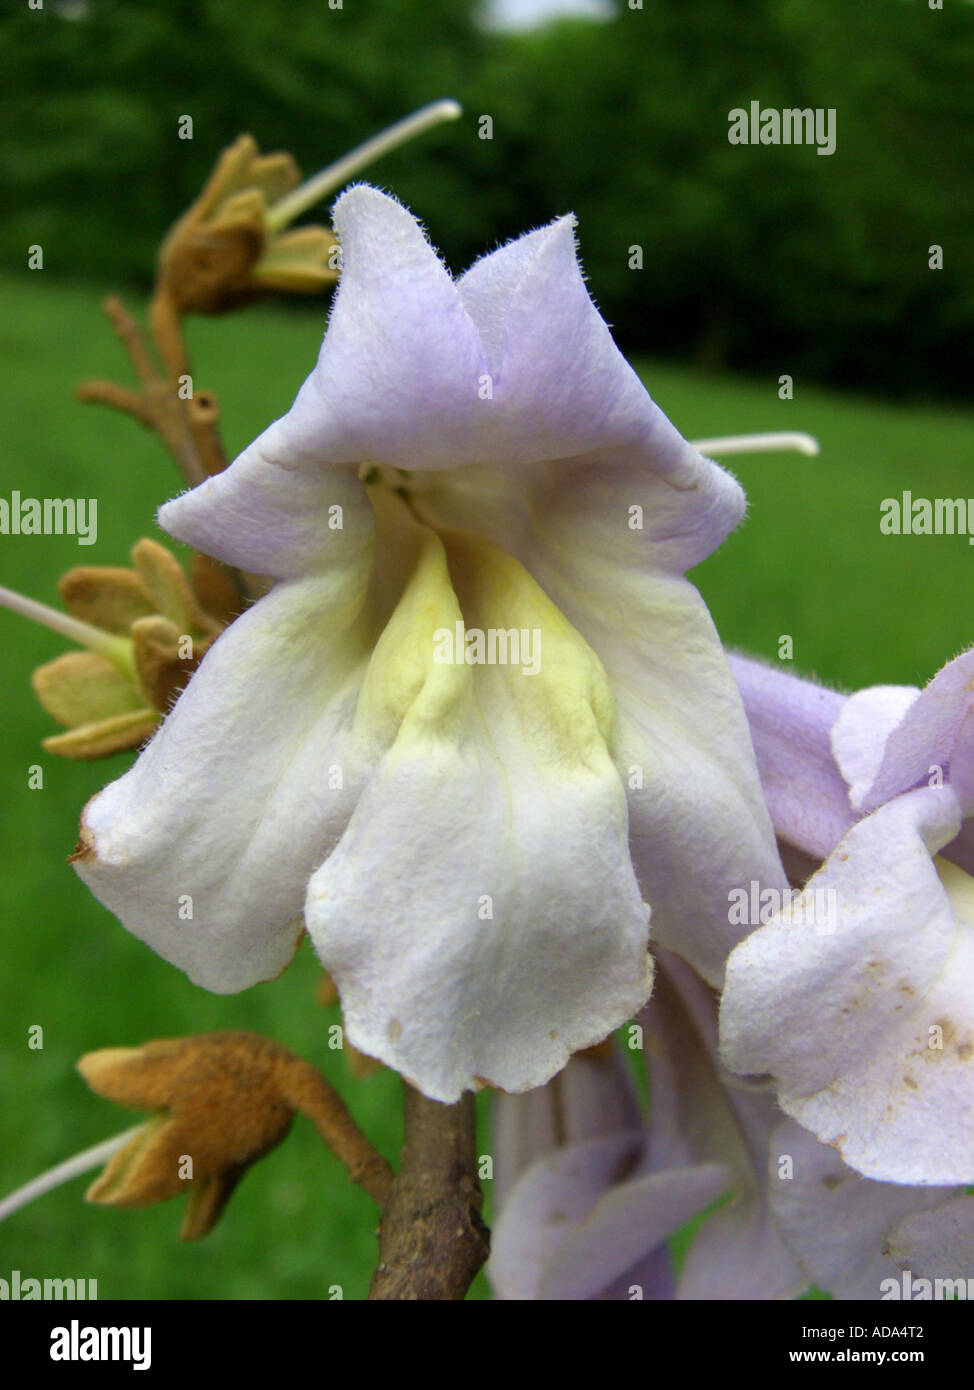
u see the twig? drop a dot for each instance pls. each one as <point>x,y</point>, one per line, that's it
<point>432,1240</point>
<point>306,1090</point>
<point>187,427</point>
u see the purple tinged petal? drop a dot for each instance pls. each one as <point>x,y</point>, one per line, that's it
<point>592,1096</point>
<point>396,381</point>
<point>835,1221</point>
<point>700,1116</point>
<point>569,1230</point>
<point>937,1243</point>
<point>937,732</point>
<point>547,1201</point>
<point>556,373</point>
<point>960,851</point>
<point>579,1215</point>
<point>651,1279</point>
<point>868,1029</point>
<point>488,288</point>
<point>861,729</point>
<point>627,1221</point>
<point>263,517</point>
<point>791,720</point>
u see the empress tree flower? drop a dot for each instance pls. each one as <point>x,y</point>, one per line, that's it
<point>867,1025</point>
<point>582,1211</point>
<point>937,1243</point>
<point>599,1190</point>
<point>840,1226</point>
<point>587,1190</point>
<point>474,844</point>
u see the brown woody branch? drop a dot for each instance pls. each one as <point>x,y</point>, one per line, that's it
<point>432,1240</point>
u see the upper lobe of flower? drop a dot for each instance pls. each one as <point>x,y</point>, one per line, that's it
<point>510,366</point>
<point>891,739</point>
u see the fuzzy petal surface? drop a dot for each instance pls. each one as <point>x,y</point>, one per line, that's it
<point>480,916</point>
<point>937,1243</point>
<point>791,720</point>
<point>836,1222</point>
<point>868,1029</point>
<point>204,848</point>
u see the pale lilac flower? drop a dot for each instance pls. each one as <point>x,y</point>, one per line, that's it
<point>588,1193</point>
<point>582,1211</point>
<point>840,1226</point>
<point>868,1029</point>
<point>474,848</point>
<point>560,1153</point>
<point>599,1191</point>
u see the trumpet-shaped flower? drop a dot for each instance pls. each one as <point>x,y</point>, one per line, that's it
<point>868,1026</point>
<point>601,1192</point>
<point>586,1190</point>
<point>481,723</point>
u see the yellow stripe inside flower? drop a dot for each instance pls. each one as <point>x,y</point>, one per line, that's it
<point>466,604</point>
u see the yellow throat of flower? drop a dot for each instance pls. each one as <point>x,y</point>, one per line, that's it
<point>472,627</point>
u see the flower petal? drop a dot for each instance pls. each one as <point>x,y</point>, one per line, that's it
<point>274,511</point>
<point>936,733</point>
<point>397,377</point>
<point>594,1095</point>
<point>790,721</point>
<point>480,916</point>
<point>868,1031</point>
<point>567,1231</point>
<point>699,824</point>
<point>204,847</point>
<point>625,1223</point>
<point>559,385</point>
<point>860,731</point>
<point>835,1221</point>
<point>697,1117</point>
<point>937,1243</point>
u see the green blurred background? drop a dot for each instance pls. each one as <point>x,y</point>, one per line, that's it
<point>757,262</point>
<point>754,256</point>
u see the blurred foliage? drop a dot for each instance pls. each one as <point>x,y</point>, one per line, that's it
<point>772,258</point>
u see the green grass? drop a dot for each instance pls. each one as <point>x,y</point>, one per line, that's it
<point>862,608</point>
<point>810,562</point>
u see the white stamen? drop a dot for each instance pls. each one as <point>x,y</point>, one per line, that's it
<point>315,188</point>
<point>64,1172</point>
<point>118,650</point>
<point>756,444</point>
